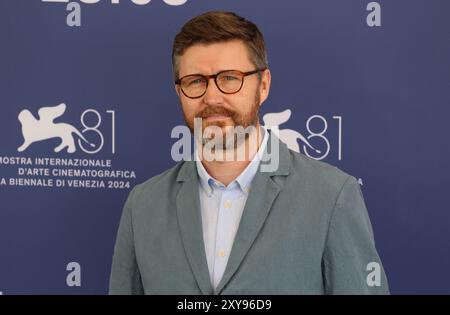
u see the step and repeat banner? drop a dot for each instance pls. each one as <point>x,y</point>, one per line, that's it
<point>88,106</point>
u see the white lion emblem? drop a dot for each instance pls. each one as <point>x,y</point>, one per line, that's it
<point>288,136</point>
<point>44,128</point>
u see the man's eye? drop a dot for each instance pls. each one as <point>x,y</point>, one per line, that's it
<point>196,81</point>
<point>229,78</point>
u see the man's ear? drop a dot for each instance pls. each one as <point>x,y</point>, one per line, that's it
<point>177,89</point>
<point>264,87</point>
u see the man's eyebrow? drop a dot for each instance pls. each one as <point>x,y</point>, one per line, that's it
<point>193,73</point>
<point>200,73</point>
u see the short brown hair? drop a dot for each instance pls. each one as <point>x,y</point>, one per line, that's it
<point>220,26</point>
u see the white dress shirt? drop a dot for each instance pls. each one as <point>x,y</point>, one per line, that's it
<point>221,211</point>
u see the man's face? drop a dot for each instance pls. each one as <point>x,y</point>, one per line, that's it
<point>214,107</point>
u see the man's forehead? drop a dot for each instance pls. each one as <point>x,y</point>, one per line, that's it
<point>211,58</point>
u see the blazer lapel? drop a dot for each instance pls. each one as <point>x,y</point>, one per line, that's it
<point>265,188</point>
<point>190,224</point>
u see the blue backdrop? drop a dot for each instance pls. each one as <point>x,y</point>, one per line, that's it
<point>367,83</point>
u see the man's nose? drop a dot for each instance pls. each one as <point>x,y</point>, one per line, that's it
<point>212,94</point>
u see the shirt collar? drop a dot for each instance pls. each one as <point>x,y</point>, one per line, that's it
<point>244,179</point>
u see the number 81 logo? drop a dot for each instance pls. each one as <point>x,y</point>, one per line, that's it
<point>92,130</point>
<point>321,135</point>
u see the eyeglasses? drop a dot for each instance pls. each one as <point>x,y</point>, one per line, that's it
<point>227,81</point>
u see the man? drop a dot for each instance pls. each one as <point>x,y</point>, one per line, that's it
<point>226,226</point>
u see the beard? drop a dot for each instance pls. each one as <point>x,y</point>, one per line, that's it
<point>230,138</point>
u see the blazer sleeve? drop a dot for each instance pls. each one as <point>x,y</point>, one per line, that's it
<point>125,277</point>
<point>350,263</point>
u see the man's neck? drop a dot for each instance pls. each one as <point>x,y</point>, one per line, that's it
<point>227,171</point>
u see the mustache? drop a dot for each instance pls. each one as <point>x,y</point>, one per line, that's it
<point>209,111</point>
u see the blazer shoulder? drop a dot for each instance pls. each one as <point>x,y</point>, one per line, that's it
<point>318,172</point>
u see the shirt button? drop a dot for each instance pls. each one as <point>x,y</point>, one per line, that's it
<point>247,189</point>
<point>227,204</point>
<point>222,253</point>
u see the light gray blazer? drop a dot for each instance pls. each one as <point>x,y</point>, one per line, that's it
<point>304,230</point>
